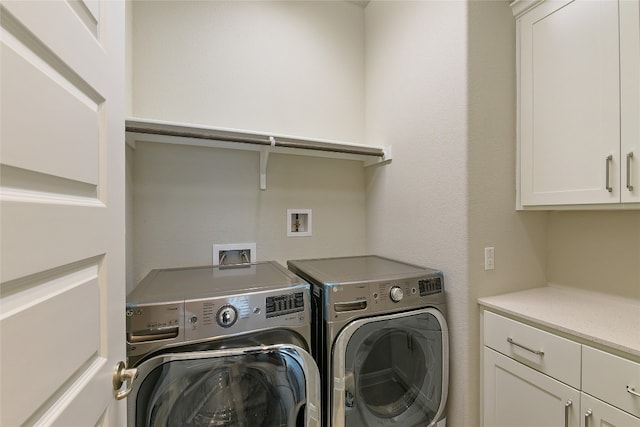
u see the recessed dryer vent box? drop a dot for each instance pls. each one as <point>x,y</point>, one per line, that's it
<point>298,222</point>
<point>234,253</point>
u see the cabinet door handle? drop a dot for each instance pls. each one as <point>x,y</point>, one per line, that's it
<point>566,412</point>
<point>629,157</point>
<point>536,352</point>
<point>633,391</point>
<point>607,173</point>
<point>587,415</point>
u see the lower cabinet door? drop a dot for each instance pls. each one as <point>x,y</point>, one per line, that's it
<point>596,413</point>
<point>516,395</point>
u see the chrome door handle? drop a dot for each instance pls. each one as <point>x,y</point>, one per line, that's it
<point>607,173</point>
<point>629,157</point>
<point>120,375</point>
<point>586,417</point>
<point>632,391</point>
<point>566,412</point>
<point>536,352</point>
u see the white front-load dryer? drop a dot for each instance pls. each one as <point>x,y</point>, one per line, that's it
<point>380,339</point>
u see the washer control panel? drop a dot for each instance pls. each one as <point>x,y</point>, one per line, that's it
<point>212,317</point>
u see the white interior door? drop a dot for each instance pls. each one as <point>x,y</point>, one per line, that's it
<point>62,273</point>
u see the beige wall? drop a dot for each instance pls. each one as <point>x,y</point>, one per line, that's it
<point>519,238</point>
<point>290,68</point>
<point>282,67</point>
<point>188,198</point>
<point>448,109</point>
<point>595,251</point>
<point>417,206</point>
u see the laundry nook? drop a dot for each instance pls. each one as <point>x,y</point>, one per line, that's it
<point>313,213</point>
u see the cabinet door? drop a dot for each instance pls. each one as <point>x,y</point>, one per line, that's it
<point>630,100</point>
<point>516,395</point>
<point>596,413</point>
<point>570,103</point>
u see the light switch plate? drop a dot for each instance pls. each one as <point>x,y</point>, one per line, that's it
<point>489,258</point>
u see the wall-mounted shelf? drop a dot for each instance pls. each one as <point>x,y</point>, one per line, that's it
<point>147,130</point>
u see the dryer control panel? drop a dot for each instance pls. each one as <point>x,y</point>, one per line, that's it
<point>346,300</point>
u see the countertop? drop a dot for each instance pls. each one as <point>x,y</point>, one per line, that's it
<point>608,320</point>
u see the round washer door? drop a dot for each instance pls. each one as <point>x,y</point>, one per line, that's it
<point>270,386</point>
<point>393,370</point>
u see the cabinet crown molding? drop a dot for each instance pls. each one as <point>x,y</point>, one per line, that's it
<point>519,7</point>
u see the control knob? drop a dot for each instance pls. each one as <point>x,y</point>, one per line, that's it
<point>227,316</point>
<point>396,294</point>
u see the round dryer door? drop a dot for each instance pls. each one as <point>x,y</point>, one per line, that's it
<point>394,370</point>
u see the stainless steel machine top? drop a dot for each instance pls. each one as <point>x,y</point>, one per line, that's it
<point>357,269</point>
<point>179,284</point>
<point>369,284</point>
<point>172,306</point>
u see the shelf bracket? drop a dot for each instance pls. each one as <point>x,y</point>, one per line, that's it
<point>264,160</point>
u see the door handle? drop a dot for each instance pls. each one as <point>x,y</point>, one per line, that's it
<point>587,415</point>
<point>536,352</point>
<point>632,391</point>
<point>566,412</point>
<point>120,375</point>
<point>608,173</point>
<point>629,157</point>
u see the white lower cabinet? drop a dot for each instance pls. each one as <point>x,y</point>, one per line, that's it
<point>596,413</point>
<point>516,395</point>
<point>533,378</point>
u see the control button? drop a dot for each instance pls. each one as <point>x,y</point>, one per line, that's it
<point>227,316</point>
<point>396,294</point>
<point>375,295</point>
<point>256,310</point>
<point>193,319</point>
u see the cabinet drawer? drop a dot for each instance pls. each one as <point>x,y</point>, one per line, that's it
<point>606,377</point>
<point>545,352</point>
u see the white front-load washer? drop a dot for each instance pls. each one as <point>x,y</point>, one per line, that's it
<point>380,340</point>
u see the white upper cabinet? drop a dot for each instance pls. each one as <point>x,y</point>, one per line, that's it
<point>630,100</point>
<point>578,103</point>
